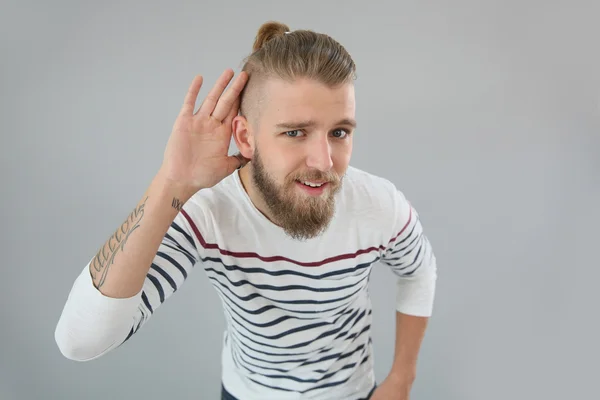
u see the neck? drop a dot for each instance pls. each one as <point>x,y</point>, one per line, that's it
<point>255,196</point>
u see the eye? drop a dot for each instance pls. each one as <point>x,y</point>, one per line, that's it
<point>340,133</point>
<point>294,133</point>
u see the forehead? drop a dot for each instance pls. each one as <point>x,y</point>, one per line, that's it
<point>307,99</point>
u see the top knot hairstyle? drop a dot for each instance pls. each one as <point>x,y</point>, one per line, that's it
<point>278,52</point>
<point>267,32</point>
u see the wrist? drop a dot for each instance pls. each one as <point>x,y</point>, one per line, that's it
<point>175,192</point>
<point>402,377</point>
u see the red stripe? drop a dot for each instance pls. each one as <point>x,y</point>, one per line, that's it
<point>238,254</point>
<point>404,227</point>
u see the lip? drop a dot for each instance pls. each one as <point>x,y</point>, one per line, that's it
<point>312,191</point>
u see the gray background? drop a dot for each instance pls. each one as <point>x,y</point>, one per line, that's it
<point>485,113</point>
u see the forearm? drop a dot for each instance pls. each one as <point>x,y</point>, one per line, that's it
<point>106,304</point>
<point>119,268</point>
<point>410,331</point>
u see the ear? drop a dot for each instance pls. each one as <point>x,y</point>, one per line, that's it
<point>243,136</point>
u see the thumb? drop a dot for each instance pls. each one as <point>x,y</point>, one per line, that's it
<point>236,161</point>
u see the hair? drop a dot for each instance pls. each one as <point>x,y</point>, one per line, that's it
<point>278,52</point>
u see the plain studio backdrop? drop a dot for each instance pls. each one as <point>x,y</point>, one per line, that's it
<point>486,114</point>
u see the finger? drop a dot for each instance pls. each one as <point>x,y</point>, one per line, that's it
<point>189,102</point>
<point>233,112</point>
<point>225,105</point>
<point>209,103</point>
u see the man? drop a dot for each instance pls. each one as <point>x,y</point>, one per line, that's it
<point>286,231</point>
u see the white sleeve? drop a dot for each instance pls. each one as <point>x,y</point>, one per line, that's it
<point>92,324</point>
<point>410,256</point>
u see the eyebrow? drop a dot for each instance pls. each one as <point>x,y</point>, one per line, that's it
<point>310,123</point>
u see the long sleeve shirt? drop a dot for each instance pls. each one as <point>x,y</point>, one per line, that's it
<point>298,313</point>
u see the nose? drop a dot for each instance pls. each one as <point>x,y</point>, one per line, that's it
<point>319,154</point>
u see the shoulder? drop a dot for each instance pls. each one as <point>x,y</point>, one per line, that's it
<point>218,197</point>
<point>212,209</point>
<point>365,189</point>
<point>374,200</point>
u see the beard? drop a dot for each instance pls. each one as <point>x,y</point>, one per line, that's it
<point>300,216</point>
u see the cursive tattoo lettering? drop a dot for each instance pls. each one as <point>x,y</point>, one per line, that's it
<point>106,255</point>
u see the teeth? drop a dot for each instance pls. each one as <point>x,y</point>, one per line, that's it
<point>311,184</point>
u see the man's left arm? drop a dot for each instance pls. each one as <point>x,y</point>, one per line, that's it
<point>410,256</point>
<point>410,331</point>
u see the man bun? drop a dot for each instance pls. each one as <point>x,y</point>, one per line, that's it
<point>268,31</point>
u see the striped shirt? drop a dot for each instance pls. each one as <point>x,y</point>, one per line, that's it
<point>298,313</point>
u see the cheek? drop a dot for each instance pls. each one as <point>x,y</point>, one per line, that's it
<point>341,156</point>
<point>287,159</point>
<point>280,165</point>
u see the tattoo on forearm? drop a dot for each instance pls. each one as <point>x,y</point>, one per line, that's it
<point>177,204</point>
<point>106,255</point>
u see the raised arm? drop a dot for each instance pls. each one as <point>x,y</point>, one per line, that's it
<point>149,256</point>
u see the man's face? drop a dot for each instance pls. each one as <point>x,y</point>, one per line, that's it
<point>302,148</point>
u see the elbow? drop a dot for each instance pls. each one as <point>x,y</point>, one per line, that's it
<point>92,324</point>
<point>70,347</point>
<point>76,347</point>
<point>73,352</point>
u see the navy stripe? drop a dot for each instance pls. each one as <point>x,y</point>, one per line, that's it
<point>335,356</point>
<point>164,275</point>
<point>336,383</point>
<point>173,262</point>
<point>286,361</point>
<point>287,272</point>
<point>274,322</point>
<point>402,249</point>
<point>159,289</point>
<point>355,335</point>
<point>131,332</point>
<point>305,361</point>
<point>245,344</point>
<point>255,295</point>
<point>301,344</point>
<point>414,259</point>
<point>394,244</point>
<point>189,238</point>
<point>175,246</point>
<point>245,363</point>
<point>414,244</point>
<point>300,380</point>
<point>346,332</point>
<point>415,269</point>
<point>294,330</point>
<point>327,385</point>
<point>146,302</point>
<point>283,288</point>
